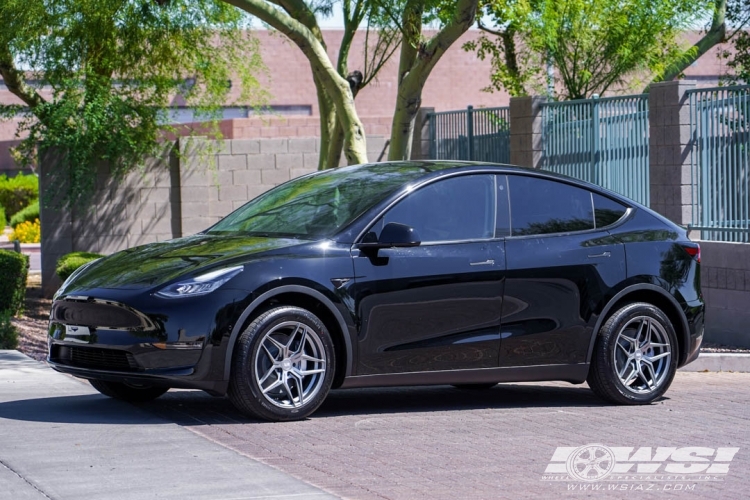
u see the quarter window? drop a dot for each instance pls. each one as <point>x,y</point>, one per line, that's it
<point>607,211</point>
<point>459,208</point>
<point>541,206</point>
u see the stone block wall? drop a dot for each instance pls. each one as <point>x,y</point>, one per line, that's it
<point>725,281</point>
<point>669,150</point>
<point>189,187</point>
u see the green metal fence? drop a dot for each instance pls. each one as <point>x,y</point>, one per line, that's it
<point>720,162</point>
<point>600,140</point>
<point>481,134</point>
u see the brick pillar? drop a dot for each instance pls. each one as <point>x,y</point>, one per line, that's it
<point>57,224</point>
<point>526,131</point>
<point>669,149</point>
<point>420,145</point>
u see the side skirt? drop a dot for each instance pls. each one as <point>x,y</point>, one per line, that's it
<point>575,374</point>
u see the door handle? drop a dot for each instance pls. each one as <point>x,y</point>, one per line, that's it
<point>488,262</point>
<point>603,254</point>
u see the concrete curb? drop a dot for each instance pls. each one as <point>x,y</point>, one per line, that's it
<point>719,362</point>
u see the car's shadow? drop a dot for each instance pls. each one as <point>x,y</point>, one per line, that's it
<point>198,408</point>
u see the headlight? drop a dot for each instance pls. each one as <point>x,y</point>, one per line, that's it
<point>200,285</point>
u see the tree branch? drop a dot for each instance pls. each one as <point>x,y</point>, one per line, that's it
<point>715,35</point>
<point>14,80</point>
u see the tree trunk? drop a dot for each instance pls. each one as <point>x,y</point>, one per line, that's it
<point>328,123</point>
<point>417,61</point>
<point>335,86</point>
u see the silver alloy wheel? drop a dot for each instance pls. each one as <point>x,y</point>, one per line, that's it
<point>290,365</point>
<point>642,355</point>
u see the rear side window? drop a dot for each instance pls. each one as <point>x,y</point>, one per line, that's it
<point>541,206</point>
<point>607,211</point>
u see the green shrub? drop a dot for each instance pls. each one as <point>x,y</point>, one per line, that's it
<point>14,268</point>
<point>72,261</point>
<point>8,332</point>
<point>3,220</point>
<point>28,214</point>
<point>18,192</point>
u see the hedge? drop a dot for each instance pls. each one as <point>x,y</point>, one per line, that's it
<point>18,192</point>
<point>72,261</point>
<point>14,268</point>
<point>8,332</point>
<point>3,220</point>
<point>28,214</point>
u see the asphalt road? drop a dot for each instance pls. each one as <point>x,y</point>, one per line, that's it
<point>405,443</point>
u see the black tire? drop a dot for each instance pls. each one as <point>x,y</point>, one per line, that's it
<point>626,331</point>
<point>475,387</point>
<point>128,392</point>
<point>260,363</point>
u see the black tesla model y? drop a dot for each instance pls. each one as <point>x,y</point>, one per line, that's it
<point>392,274</point>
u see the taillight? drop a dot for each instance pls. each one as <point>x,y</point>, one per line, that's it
<point>694,251</point>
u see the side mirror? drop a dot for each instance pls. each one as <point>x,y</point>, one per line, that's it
<point>393,235</point>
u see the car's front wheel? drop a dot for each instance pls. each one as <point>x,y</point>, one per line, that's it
<point>635,356</point>
<point>283,365</point>
<point>128,392</point>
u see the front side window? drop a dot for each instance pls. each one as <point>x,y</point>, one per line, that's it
<point>454,209</point>
<point>541,206</point>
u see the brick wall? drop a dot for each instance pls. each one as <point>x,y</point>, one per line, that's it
<point>190,186</point>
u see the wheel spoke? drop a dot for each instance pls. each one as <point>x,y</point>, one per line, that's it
<point>657,356</point>
<point>289,392</point>
<point>271,356</point>
<point>300,386</point>
<point>627,351</point>
<point>645,329</point>
<point>281,347</point>
<point>633,375</point>
<point>292,337</point>
<point>305,373</point>
<point>305,357</point>
<point>651,378</point>
<point>268,374</point>
<point>273,386</point>
<point>625,366</point>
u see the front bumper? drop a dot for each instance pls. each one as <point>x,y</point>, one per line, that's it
<point>167,350</point>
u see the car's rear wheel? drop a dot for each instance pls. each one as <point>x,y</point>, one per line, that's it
<point>283,365</point>
<point>128,392</point>
<point>635,356</point>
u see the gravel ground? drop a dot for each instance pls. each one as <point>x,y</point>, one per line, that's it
<point>32,326</point>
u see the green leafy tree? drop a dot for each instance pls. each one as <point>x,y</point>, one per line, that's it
<point>593,46</point>
<point>396,22</point>
<point>96,77</point>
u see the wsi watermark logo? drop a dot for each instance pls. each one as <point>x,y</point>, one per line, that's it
<point>644,468</point>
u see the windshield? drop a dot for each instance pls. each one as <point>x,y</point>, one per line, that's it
<point>319,205</point>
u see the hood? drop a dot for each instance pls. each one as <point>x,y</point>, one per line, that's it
<point>151,265</point>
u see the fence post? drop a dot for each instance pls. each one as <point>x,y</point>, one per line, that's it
<point>595,139</point>
<point>669,150</point>
<point>421,145</point>
<point>470,131</point>
<point>433,135</point>
<point>526,131</point>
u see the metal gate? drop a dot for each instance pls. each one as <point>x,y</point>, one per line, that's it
<point>473,134</point>
<point>600,140</point>
<point>720,162</point>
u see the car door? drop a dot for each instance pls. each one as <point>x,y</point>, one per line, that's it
<point>436,306</point>
<point>561,262</point>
